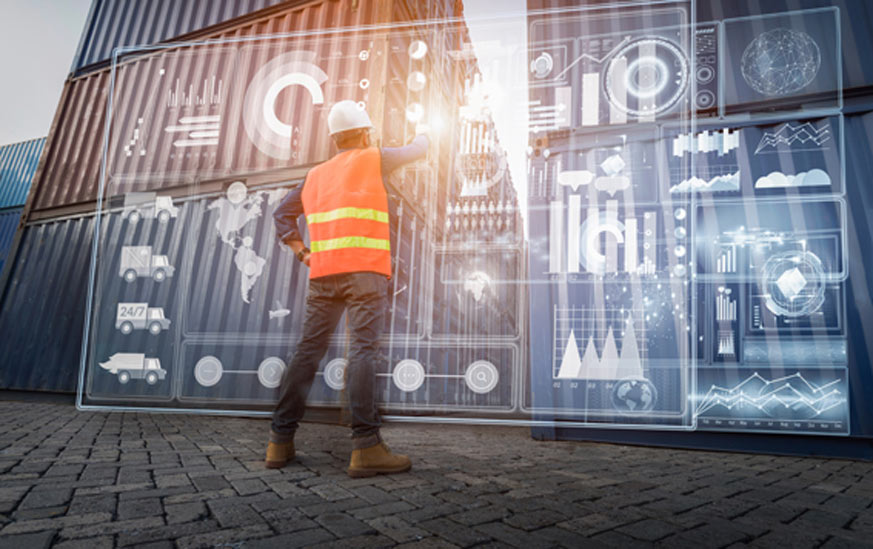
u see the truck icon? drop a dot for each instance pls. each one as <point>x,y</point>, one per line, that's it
<point>149,206</point>
<point>136,366</point>
<point>139,316</point>
<point>137,261</point>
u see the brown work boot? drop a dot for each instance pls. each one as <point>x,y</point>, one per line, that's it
<point>279,454</point>
<point>367,462</point>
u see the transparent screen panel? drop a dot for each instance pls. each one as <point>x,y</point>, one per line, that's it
<point>574,248</point>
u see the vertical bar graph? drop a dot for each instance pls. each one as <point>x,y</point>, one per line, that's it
<point>619,91</point>
<point>590,99</point>
<point>556,236</point>
<point>573,212</point>
<point>726,262</point>
<point>725,307</point>
<point>612,243</point>
<point>631,254</point>
<point>563,105</point>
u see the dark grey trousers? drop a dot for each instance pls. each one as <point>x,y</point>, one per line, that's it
<point>364,296</point>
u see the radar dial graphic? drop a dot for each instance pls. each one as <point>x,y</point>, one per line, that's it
<point>652,71</point>
<point>780,61</point>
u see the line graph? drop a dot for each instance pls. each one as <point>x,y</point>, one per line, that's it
<point>593,59</point>
<point>789,134</point>
<point>790,397</point>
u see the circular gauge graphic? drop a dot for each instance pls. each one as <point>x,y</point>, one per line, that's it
<point>705,99</point>
<point>271,115</point>
<point>542,65</point>
<point>270,372</point>
<point>408,375</point>
<point>416,81</point>
<point>481,377</point>
<point>705,74</point>
<point>646,77</point>
<point>417,49</point>
<point>793,283</point>
<point>414,113</point>
<point>335,374</point>
<point>208,371</point>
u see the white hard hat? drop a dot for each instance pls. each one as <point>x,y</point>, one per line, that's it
<point>347,115</point>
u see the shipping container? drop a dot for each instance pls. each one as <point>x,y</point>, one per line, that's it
<point>9,219</point>
<point>115,23</point>
<point>18,163</point>
<point>70,178</point>
<point>42,306</point>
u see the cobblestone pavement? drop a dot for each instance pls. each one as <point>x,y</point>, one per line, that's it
<point>93,480</point>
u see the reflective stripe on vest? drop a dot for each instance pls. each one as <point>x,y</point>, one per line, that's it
<point>346,210</point>
<point>346,213</point>
<point>349,242</point>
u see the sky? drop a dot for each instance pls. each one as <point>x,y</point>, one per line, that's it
<point>38,39</point>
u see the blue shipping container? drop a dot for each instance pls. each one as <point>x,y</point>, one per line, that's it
<point>18,162</point>
<point>8,226</point>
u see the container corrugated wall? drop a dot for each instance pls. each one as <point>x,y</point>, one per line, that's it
<point>8,225</point>
<point>114,23</point>
<point>43,308</point>
<point>74,152</point>
<point>18,162</point>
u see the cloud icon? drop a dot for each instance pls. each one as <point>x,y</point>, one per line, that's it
<point>575,179</point>
<point>779,180</point>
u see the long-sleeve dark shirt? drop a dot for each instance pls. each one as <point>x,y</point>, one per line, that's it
<point>291,207</point>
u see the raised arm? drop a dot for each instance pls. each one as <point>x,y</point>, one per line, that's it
<point>395,157</point>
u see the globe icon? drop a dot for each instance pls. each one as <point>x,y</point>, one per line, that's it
<point>780,61</point>
<point>634,395</point>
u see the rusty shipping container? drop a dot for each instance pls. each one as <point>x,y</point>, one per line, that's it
<point>76,152</point>
<point>69,180</point>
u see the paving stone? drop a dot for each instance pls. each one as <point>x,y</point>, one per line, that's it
<point>214,482</point>
<point>138,508</point>
<point>649,529</point>
<point>168,532</point>
<point>184,512</point>
<point>231,515</point>
<point>221,538</point>
<point>343,526</point>
<point>306,538</point>
<point>99,542</point>
<point>36,540</point>
<point>46,498</point>
<point>22,527</point>
<point>372,511</point>
<point>397,529</point>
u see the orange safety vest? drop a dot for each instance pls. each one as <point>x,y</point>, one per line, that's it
<point>346,209</point>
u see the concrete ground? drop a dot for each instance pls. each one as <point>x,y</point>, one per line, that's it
<point>93,480</point>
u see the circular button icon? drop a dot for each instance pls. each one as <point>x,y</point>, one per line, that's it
<point>208,371</point>
<point>481,377</point>
<point>335,374</point>
<point>270,372</point>
<point>408,375</point>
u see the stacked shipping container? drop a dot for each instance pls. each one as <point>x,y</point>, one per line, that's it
<point>60,211</point>
<point>18,163</point>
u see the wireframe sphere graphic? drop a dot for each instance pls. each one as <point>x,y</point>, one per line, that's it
<point>780,61</point>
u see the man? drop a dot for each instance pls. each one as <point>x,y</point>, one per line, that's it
<point>347,214</point>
